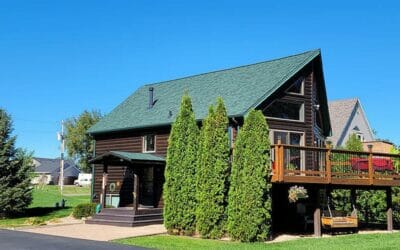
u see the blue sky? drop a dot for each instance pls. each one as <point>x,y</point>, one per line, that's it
<point>58,58</point>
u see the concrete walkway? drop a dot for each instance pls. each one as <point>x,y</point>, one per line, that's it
<point>95,232</point>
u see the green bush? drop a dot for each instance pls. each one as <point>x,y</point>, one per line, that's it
<point>249,208</point>
<point>212,173</point>
<point>180,172</point>
<point>84,210</point>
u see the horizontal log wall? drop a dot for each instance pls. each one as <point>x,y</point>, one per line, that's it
<point>122,175</point>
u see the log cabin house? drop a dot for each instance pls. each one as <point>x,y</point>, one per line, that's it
<point>131,141</point>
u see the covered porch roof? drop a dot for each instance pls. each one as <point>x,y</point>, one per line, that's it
<point>127,157</point>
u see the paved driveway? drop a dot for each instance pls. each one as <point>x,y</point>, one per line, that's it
<point>15,240</point>
<point>95,232</point>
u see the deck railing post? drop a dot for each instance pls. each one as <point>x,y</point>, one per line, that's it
<point>370,166</point>
<point>328,163</point>
<point>280,161</point>
<point>275,169</point>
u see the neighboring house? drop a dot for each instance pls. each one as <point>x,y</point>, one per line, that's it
<point>131,141</point>
<point>348,117</point>
<point>48,171</point>
<point>379,146</point>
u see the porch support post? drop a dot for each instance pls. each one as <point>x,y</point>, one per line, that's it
<point>135,192</point>
<point>104,185</point>
<point>389,211</point>
<point>317,216</point>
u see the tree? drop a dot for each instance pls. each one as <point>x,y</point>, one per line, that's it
<point>79,143</point>
<point>180,172</point>
<point>15,170</point>
<point>354,143</point>
<point>212,173</point>
<point>249,207</point>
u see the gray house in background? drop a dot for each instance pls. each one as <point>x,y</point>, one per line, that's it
<point>48,171</point>
<point>348,117</point>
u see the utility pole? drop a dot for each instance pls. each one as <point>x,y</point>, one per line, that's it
<point>61,138</point>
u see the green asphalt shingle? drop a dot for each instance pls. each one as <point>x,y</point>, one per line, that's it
<point>242,88</point>
<point>128,156</point>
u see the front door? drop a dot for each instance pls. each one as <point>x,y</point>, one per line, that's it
<point>146,186</point>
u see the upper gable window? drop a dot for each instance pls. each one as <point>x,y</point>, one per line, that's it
<point>285,110</point>
<point>297,87</point>
<point>149,143</point>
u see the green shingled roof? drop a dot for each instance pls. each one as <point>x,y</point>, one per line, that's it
<point>128,156</point>
<point>242,88</point>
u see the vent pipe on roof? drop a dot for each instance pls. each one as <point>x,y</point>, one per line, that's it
<point>151,97</point>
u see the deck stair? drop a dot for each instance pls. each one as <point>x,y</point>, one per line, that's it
<point>125,217</point>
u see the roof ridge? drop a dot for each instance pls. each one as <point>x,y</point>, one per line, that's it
<point>226,69</point>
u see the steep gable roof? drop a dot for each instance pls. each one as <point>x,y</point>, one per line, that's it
<point>341,113</point>
<point>242,88</point>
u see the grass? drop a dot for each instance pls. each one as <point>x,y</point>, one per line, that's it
<point>357,241</point>
<point>43,207</point>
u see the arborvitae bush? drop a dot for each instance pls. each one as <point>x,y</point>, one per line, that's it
<point>212,173</point>
<point>180,172</point>
<point>15,171</point>
<point>249,207</point>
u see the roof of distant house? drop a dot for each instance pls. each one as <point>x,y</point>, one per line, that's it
<point>242,88</point>
<point>52,166</point>
<point>340,112</point>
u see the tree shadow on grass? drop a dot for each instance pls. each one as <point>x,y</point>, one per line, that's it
<point>38,212</point>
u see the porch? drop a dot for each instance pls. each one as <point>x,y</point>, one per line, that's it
<point>133,196</point>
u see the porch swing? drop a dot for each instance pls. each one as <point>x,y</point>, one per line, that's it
<point>338,220</point>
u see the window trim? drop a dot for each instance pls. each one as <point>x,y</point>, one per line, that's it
<point>144,143</point>
<point>303,79</point>
<point>302,112</point>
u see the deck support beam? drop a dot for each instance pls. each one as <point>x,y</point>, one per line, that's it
<point>317,217</point>
<point>389,211</point>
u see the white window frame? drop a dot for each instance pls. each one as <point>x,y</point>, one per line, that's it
<point>144,149</point>
<point>302,87</point>
<point>283,119</point>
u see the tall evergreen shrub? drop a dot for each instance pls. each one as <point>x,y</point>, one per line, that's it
<point>212,175</point>
<point>249,208</point>
<point>180,172</point>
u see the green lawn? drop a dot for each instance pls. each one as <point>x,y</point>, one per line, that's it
<point>43,205</point>
<point>357,241</point>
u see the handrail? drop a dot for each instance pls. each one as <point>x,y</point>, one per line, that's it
<point>332,165</point>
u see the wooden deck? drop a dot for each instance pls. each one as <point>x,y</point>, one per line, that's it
<point>312,165</point>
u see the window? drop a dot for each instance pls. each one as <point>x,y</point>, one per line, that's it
<point>297,87</point>
<point>149,143</point>
<point>360,136</point>
<point>293,158</point>
<point>285,110</point>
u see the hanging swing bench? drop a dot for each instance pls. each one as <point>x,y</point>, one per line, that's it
<point>338,220</point>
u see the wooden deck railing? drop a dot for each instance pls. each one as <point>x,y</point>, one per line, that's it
<point>299,164</point>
